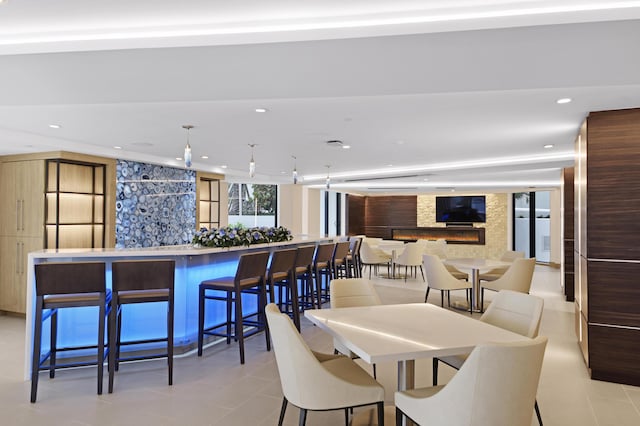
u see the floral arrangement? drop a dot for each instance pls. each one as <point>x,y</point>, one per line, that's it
<point>238,235</point>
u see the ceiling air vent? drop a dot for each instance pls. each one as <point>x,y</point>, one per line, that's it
<point>334,144</point>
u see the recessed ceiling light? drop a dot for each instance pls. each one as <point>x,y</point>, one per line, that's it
<point>563,101</point>
<point>346,146</point>
<point>547,146</point>
<point>117,147</point>
<point>204,157</point>
<point>224,166</point>
<point>261,110</point>
<point>54,126</point>
<point>179,158</point>
<point>389,165</point>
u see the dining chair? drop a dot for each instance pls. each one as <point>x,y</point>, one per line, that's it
<point>372,257</point>
<point>510,310</point>
<point>354,269</point>
<point>350,292</point>
<point>440,279</point>
<point>411,257</point>
<point>517,278</point>
<point>439,248</point>
<point>496,386</point>
<point>339,259</point>
<point>495,273</point>
<point>280,276</point>
<point>316,381</point>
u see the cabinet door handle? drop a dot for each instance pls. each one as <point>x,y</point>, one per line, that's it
<point>22,216</point>
<point>17,215</point>
<point>18,258</point>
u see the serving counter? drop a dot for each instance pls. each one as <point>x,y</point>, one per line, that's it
<point>77,327</point>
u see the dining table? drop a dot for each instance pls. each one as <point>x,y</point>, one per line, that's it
<point>391,247</point>
<point>403,333</point>
<point>475,265</point>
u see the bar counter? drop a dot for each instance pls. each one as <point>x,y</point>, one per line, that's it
<point>78,326</point>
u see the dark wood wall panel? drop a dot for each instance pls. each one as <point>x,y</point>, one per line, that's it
<point>614,354</point>
<point>614,293</point>
<point>568,245</point>
<point>355,214</point>
<point>384,213</point>
<point>613,184</point>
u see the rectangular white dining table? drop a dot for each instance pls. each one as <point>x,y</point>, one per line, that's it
<point>406,332</point>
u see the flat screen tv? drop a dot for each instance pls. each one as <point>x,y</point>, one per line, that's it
<point>463,209</point>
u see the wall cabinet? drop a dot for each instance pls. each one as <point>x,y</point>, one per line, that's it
<point>52,200</point>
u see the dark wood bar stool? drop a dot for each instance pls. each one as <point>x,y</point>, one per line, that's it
<point>249,278</point>
<point>339,259</point>
<point>140,281</point>
<point>67,285</point>
<point>304,275</point>
<point>322,267</point>
<point>281,277</point>
<point>354,267</point>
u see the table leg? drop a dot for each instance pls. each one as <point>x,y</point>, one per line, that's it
<point>475,292</point>
<point>406,380</point>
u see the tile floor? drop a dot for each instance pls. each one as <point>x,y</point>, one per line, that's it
<point>217,390</point>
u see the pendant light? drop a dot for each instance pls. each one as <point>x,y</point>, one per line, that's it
<point>187,148</point>
<point>328,181</point>
<point>295,171</point>
<point>252,163</point>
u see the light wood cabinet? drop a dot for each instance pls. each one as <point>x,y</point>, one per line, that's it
<point>22,198</point>
<point>13,290</point>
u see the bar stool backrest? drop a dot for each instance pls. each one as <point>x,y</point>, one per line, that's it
<point>252,268</point>
<point>324,254</point>
<point>69,278</point>
<point>142,275</point>
<point>282,262</point>
<point>304,256</point>
<point>341,250</point>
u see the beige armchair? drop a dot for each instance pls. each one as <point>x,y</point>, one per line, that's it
<point>351,292</point>
<point>495,273</point>
<point>411,257</point>
<point>513,311</point>
<point>313,381</point>
<point>517,278</point>
<point>440,279</point>
<point>439,248</point>
<point>496,386</point>
<point>373,257</point>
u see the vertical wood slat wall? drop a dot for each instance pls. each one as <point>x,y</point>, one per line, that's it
<point>568,233</point>
<point>607,251</point>
<point>381,214</point>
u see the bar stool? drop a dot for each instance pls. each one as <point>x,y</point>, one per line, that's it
<point>354,267</point>
<point>322,268</point>
<point>249,278</point>
<point>339,259</point>
<point>280,275</point>
<point>303,273</point>
<point>67,285</point>
<point>140,281</point>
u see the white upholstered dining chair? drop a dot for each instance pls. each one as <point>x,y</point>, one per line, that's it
<point>350,292</point>
<point>315,381</point>
<point>517,312</point>
<point>440,279</point>
<point>439,248</point>
<point>517,278</point>
<point>496,386</point>
<point>495,273</point>
<point>411,257</point>
<point>373,257</point>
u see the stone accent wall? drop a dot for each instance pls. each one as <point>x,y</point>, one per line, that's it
<point>155,205</point>
<point>496,226</point>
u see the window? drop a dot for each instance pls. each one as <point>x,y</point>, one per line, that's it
<point>253,204</point>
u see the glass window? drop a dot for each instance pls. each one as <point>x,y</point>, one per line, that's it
<point>253,204</point>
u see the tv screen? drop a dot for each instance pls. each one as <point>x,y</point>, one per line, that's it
<point>463,208</point>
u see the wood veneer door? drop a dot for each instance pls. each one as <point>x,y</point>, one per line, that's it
<point>9,204</point>
<point>13,271</point>
<point>30,189</point>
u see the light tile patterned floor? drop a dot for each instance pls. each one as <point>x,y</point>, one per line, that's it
<point>217,390</point>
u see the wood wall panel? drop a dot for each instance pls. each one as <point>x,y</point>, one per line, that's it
<point>614,293</point>
<point>384,213</point>
<point>613,185</point>
<point>568,232</point>
<point>355,214</point>
<point>614,354</point>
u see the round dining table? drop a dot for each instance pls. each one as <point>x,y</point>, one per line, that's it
<point>475,266</point>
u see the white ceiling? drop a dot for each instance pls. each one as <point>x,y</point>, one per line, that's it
<point>431,95</point>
